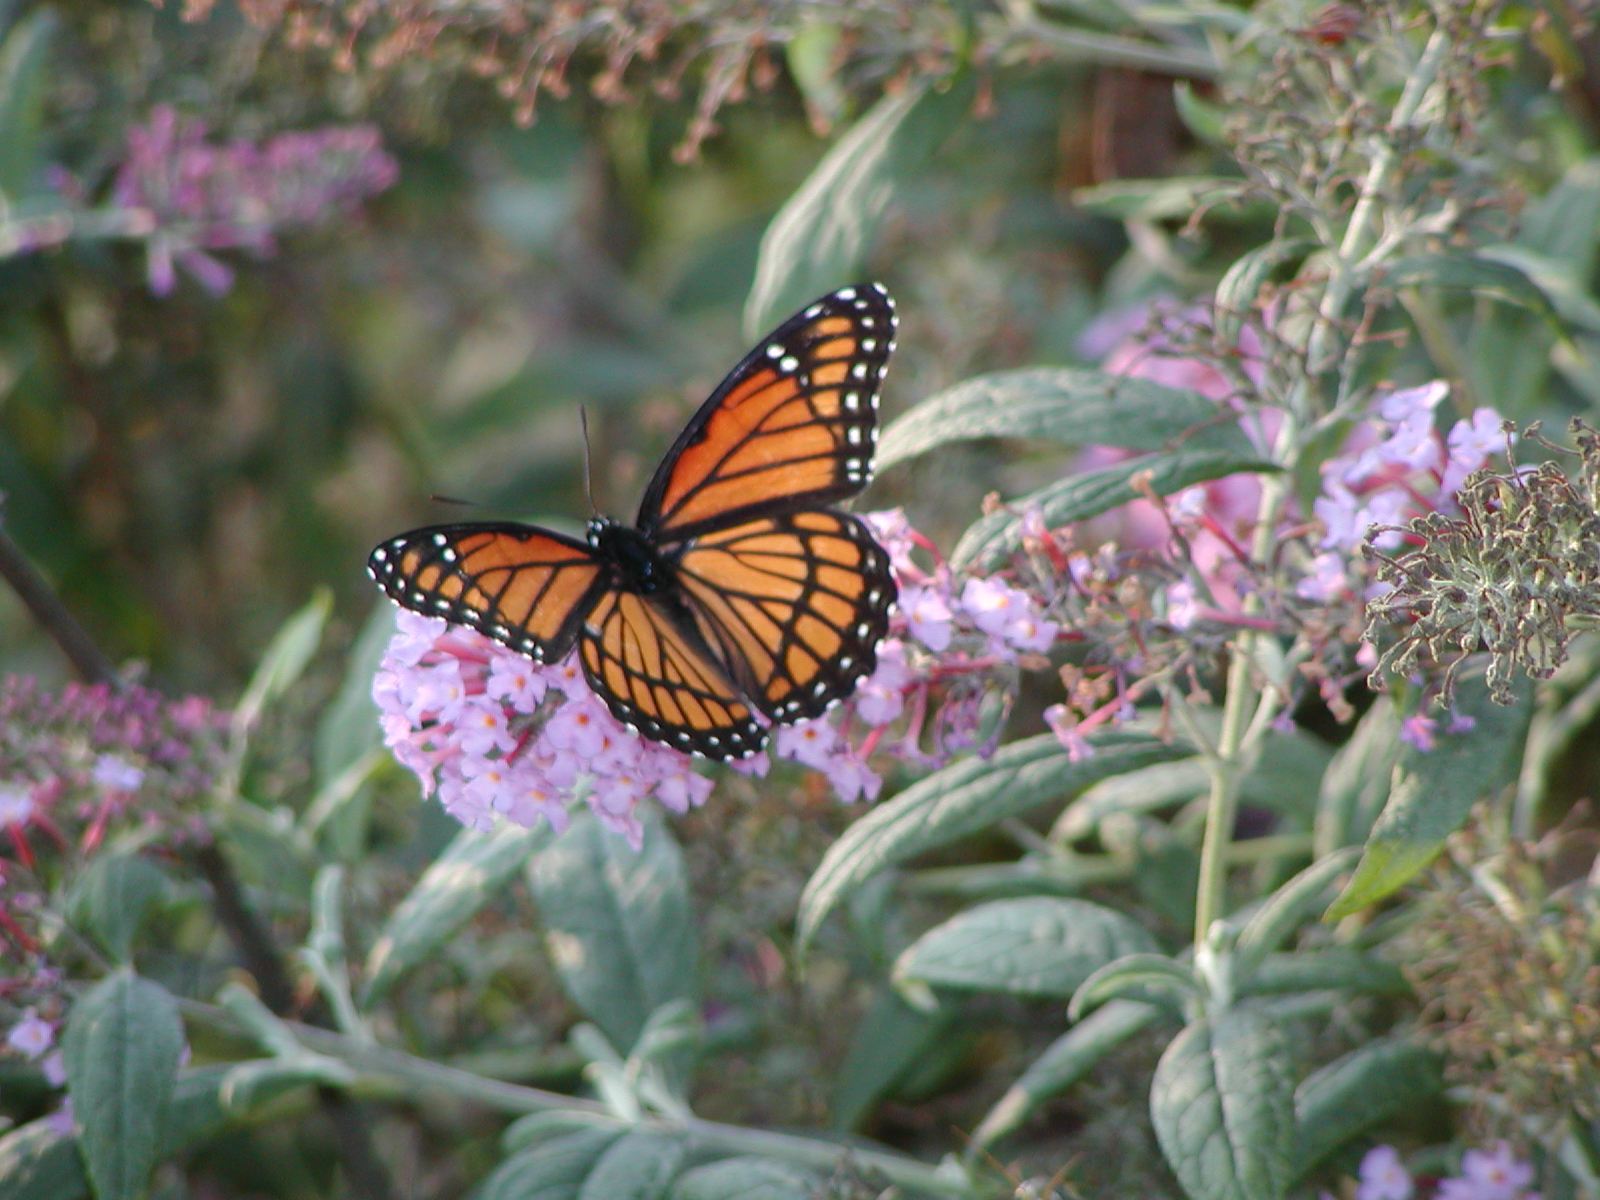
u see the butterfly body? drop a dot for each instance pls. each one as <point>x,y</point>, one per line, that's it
<point>739,598</point>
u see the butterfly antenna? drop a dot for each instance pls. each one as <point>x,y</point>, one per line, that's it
<point>438,499</point>
<point>588,464</point>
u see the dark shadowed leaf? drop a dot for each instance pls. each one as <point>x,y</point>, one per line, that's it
<point>617,923</point>
<point>110,899</point>
<point>890,1041</point>
<point>37,1163</point>
<point>552,1170</point>
<point>1380,1080</point>
<point>963,799</point>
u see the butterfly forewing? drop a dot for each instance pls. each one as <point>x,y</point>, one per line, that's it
<point>528,588</point>
<point>793,426</point>
<point>645,659</point>
<point>796,604</point>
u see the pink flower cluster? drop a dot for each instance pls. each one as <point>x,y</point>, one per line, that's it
<point>498,735</point>
<point>1484,1176</point>
<point>202,197</point>
<point>1394,466</point>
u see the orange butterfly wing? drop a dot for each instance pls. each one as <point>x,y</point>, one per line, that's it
<point>792,426</point>
<point>795,604</point>
<point>643,656</point>
<point>523,586</point>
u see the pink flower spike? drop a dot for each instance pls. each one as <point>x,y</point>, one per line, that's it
<point>1384,1176</point>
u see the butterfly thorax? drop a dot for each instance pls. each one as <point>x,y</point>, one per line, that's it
<point>639,565</point>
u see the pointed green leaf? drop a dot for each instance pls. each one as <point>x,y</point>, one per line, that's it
<point>637,1166</point>
<point>888,1043</point>
<point>110,899</point>
<point>1158,199</point>
<point>618,923</point>
<point>1147,978</point>
<point>1065,1061</point>
<point>1076,406</point>
<point>1038,946</point>
<point>747,1179</point>
<point>994,537</point>
<point>349,738</point>
<point>552,1170</point>
<point>536,1128</point>
<point>821,236</point>
<point>1564,223</point>
<point>1222,1101</point>
<point>1337,968</point>
<point>1355,786</point>
<point>963,799</point>
<point>122,1046</point>
<point>24,68</point>
<point>286,657</point>
<point>1469,273</point>
<point>1241,284</point>
<point>1287,909</point>
<point>473,869</point>
<point>1433,792</point>
<point>1566,293</point>
<point>1383,1079</point>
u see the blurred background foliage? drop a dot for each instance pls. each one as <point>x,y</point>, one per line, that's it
<point>581,197</point>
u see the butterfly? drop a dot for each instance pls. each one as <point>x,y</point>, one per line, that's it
<point>740,597</point>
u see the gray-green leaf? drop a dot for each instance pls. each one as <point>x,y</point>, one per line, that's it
<point>618,923</point>
<point>1434,791</point>
<point>746,1179</point>
<point>473,869</point>
<point>638,1166</point>
<point>122,1046</point>
<point>963,799</point>
<point>110,899</point>
<point>552,1170</point>
<point>1382,1079</point>
<point>1039,946</point>
<point>1076,406</point>
<point>1222,1102</point>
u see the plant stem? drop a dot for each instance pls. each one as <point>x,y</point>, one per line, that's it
<point>53,616</point>
<point>419,1075</point>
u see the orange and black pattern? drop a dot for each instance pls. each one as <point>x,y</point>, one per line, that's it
<point>739,599</point>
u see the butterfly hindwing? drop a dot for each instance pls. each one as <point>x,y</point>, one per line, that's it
<point>796,604</point>
<point>525,587</point>
<point>643,657</point>
<point>792,426</point>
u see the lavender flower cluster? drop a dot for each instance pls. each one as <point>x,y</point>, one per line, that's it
<point>1485,1175</point>
<point>497,735</point>
<point>201,197</point>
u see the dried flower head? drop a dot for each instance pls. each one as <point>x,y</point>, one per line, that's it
<point>1515,572</point>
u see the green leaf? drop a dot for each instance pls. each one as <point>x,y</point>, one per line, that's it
<point>540,1127</point>
<point>1134,792</point>
<point>994,537</point>
<point>1384,1078</point>
<point>1039,946</point>
<point>1076,406</point>
<point>1065,1061</point>
<point>1434,791</point>
<point>1148,978</point>
<point>1287,909</point>
<point>637,1166</point>
<point>1356,784</point>
<point>37,1163</point>
<point>1222,1101</point>
<point>250,1084</point>
<point>1337,968</point>
<point>1471,273</point>
<point>962,799</point>
<point>24,63</point>
<point>892,1038</point>
<point>473,869</point>
<point>285,659</point>
<point>553,1170</point>
<point>618,923</point>
<point>110,899</point>
<point>1202,118</point>
<point>747,1179</point>
<point>1564,223</point>
<point>1158,199</point>
<point>1240,286</point>
<point>1567,294</point>
<point>348,739</point>
<point>122,1046</point>
<point>821,236</point>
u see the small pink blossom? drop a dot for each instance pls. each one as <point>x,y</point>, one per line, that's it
<point>32,1035</point>
<point>928,616</point>
<point>54,1066</point>
<point>1327,581</point>
<point>1485,1176</point>
<point>117,773</point>
<point>1183,605</point>
<point>1418,731</point>
<point>1065,726</point>
<point>61,1122</point>
<point>1384,1176</point>
<point>16,805</point>
<point>812,743</point>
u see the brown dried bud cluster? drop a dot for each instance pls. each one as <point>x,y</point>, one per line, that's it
<point>1516,573</point>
